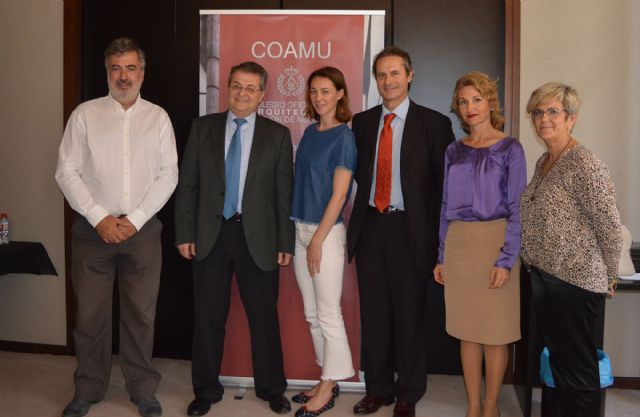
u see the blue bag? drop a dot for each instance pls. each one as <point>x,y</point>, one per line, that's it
<point>604,363</point>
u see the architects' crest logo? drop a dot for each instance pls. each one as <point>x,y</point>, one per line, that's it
<point>291,82</point>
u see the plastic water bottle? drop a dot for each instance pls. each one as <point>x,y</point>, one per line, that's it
<point>4,228</point>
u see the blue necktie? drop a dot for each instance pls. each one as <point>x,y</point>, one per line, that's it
<point>232,172</point>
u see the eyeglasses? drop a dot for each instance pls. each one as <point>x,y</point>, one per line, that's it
<point>237,88</point>
<point>552,113</point>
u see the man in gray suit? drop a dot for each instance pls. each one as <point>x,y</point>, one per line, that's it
<point>232,214</point>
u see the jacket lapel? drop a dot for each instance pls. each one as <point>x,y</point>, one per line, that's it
<point>409,134</point>
<point>411,128</point>
<point>218,132</point>
<point>372,139</point>
<point>260,136</point>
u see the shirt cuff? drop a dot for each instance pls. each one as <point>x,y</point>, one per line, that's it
<point>96,214</point>
<point>138,218</point>
<point>504,263</point>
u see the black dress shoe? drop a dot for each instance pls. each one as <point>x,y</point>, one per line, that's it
<point>149,407</point>
<point>370,404</point>
<point>76,408</point>
<point>200,406</point>
<point>404,409</point>
<point>279,404</point>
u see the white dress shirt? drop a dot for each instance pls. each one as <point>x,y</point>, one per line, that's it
<point>246,141</point>
<point>114,161</point>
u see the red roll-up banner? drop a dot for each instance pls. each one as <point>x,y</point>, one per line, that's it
<point>289,45</point>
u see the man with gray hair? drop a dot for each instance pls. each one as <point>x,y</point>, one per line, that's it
<point>117,167</point>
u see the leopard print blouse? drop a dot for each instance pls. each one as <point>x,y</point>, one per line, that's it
<point>570,221</point>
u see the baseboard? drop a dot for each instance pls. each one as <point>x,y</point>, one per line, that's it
<point>624,382</point>
<point>34,348</point>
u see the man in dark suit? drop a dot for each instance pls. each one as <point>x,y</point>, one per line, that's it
<point>232,214</point>
<point>393,233</point>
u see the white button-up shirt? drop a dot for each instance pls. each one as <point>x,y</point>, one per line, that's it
<point>114,161</point>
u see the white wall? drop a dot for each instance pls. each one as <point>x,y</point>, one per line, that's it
<point>594,45</point>
<point>32,308</point>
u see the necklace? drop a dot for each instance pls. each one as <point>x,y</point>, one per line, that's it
<point>543,174</point>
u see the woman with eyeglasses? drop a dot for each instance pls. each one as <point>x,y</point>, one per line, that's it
<point>325,160</point>
<point>571,240</point>
<point>478,261</point>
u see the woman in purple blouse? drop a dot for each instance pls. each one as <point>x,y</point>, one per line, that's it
<point>478,259</point>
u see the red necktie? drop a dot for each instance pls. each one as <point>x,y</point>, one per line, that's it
<point>382,197</point>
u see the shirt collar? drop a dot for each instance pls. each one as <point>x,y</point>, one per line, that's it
<point>400,111</point>
<point>117,106</point>
<point>251,119</point>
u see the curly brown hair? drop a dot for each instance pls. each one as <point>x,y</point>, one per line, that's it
<point>487,88</point>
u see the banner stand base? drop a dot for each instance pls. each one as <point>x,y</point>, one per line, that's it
<point>242,383</point>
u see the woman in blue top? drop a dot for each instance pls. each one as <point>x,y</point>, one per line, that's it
<point>325,161</point>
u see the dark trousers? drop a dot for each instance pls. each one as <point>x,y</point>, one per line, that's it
<point>392,303</point>
<point>259,294</point>
<point>137,263</point>
<point>567,316</point>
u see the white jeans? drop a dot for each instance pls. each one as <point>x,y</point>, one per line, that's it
<point>321,298</point>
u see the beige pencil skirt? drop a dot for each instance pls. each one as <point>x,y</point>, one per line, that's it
<point>476,313</point>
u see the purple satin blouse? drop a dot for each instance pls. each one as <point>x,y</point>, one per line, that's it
<point>482,184</point>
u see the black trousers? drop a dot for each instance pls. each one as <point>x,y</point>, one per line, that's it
<point>259,294</point>
<point>392,307</point>
<point>567,316</point>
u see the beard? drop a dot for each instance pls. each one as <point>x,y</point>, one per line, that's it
<point>124,96</point>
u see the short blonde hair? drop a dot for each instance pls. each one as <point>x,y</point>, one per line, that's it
<point>487,88</point>
<point>565,94</point>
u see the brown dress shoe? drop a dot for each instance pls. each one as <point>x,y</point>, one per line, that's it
<point>404,409</point>
<point>370,404</point>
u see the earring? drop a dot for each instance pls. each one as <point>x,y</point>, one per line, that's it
<point>570,129</point>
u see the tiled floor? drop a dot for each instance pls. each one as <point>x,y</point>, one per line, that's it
<point>41,385</point>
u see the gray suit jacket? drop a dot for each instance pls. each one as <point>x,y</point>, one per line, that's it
<point>266,201</point>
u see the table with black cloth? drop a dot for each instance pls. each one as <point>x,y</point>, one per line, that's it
<point>25,258</point>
